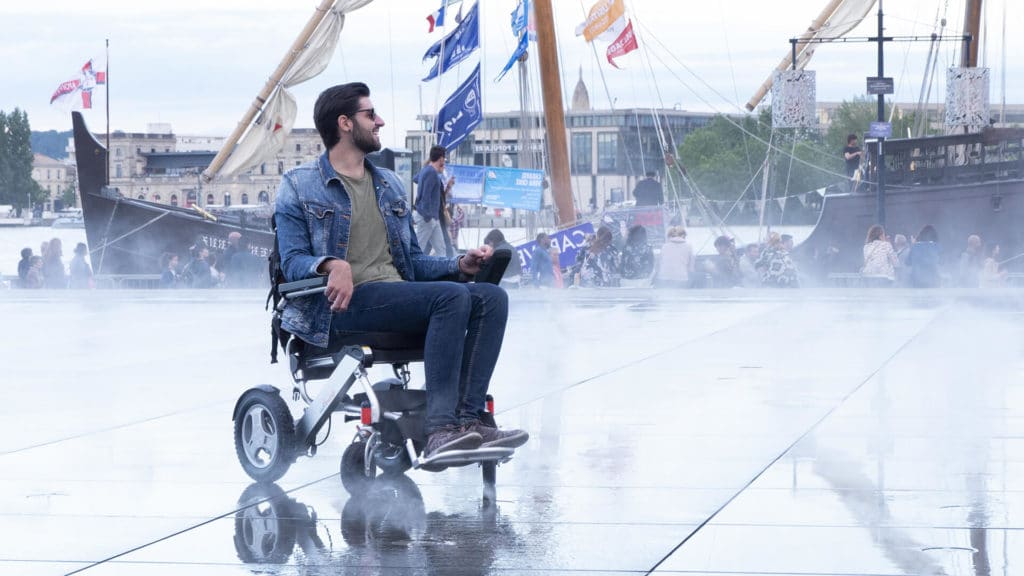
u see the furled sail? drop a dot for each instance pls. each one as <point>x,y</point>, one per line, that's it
<point>267,126</point>
<point>837,19</point>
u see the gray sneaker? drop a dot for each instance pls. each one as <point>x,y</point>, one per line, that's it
<point>497,438</point>
<point>451,437</point>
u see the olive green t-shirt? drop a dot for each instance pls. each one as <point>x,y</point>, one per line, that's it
<point>368,251</point>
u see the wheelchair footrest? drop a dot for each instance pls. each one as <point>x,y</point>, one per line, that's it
<point>464,457</point>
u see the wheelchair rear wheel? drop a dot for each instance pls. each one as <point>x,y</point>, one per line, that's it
<point>264,435</point>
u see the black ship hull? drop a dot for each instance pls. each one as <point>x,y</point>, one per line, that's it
<point>129,236</point>
<point>961,185</point>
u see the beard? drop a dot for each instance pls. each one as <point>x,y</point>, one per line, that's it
<point>364,140</point>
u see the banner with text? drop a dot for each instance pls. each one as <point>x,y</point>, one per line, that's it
<point>569,242</point>
<point>513,188</point>
<point>469,183</point>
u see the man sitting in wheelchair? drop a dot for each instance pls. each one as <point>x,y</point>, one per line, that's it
<point>346,219</point>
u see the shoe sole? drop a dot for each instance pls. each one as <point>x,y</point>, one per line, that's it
<point>514,441</point>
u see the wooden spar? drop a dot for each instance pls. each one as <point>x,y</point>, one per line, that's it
<point>972,28</point>
<point>787,62</point>
<point>554,115</point>
<point>293,53</point>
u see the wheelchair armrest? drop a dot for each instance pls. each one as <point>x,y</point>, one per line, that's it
<point>493,269</point>
<point>303,287</point>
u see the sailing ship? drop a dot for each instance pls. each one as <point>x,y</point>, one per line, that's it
<point>129,236</point>
<point>969,181</point>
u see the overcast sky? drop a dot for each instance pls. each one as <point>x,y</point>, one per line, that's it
<point>197,64</point>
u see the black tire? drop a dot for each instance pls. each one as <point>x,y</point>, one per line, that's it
<point>353,469</point>
<point>264,435</point>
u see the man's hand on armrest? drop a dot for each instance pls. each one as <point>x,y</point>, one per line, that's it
<point>339,283</point>
<point>469,264</point>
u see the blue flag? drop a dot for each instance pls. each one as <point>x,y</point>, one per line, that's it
<point>520,49</point>
<point>520,17</point>
<point>457,45</point>
<point>460,113</point>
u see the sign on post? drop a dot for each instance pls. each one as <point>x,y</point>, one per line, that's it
<point>878,85</point>
<point>568,241</point>
<point>469,183</point>
<point>513,188</point>
<point>880,130</point>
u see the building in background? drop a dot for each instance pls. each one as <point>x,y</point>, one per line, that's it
<point>609,150</point>
<point>54,177</point>
<point>162,167</point>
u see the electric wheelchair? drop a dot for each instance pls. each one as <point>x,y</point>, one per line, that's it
<point>389,436</point>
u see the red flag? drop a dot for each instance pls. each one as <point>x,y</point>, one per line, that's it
<point>624,44</point>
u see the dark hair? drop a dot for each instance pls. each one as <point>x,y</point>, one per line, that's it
<point>722,241</point>
<point>637,235</point>
<point>437,152</point>
<point>874,233</point>
<point>81,248</point>
<point>850,137</point>
<point>602,238</point>
<point>340,100</point>
<point>494,237</point>
<point>541,236</point>
<point>786,237</point>
<point>927,234</point>
<point>26,252</point>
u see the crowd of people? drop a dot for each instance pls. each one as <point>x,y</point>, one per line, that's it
<point>47,269</point>
<point>921,263</point>
<point>632,261</point>
<point>234,268</point>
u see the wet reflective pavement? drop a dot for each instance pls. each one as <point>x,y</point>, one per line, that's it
<point>811,433</point>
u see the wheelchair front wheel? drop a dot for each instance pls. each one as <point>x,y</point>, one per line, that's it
<point>264,435</point>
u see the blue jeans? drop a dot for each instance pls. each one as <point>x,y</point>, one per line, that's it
<point>464,326</point>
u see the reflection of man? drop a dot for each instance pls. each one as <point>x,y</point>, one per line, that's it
<point>648,192</point>
<point>428,215</point>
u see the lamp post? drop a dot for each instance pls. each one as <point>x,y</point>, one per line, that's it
<point>880,196</point>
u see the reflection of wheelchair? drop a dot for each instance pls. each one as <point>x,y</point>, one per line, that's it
<point>390,436</point>
<point>386,525</point>
<point>269,524</point>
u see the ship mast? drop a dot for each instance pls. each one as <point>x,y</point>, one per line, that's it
<point>972,28</point>
<point>554,114</point>
<point>290,57</point>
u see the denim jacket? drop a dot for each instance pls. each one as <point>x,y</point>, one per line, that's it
<point>313,213</point>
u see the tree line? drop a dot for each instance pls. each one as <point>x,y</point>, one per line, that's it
<point>725,158</point>
<point>17,188</point>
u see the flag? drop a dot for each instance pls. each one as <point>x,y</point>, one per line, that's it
<point>624,44</point>
<point>457,45</point>
<point>78,91</point>
<point>520,49</point>
<point>436,18</point>
<point>462,111</point>
<point>520,18</point>
<point>601,16</point>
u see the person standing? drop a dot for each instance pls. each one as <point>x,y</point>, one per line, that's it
<point>648,192</point>
<point>53,266</point>
<point>344,218</point>
<point>429,207</point>
<point>23,265</point>
<point>541,271</point>
<point>852,155</point>
<point>81,272</point>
